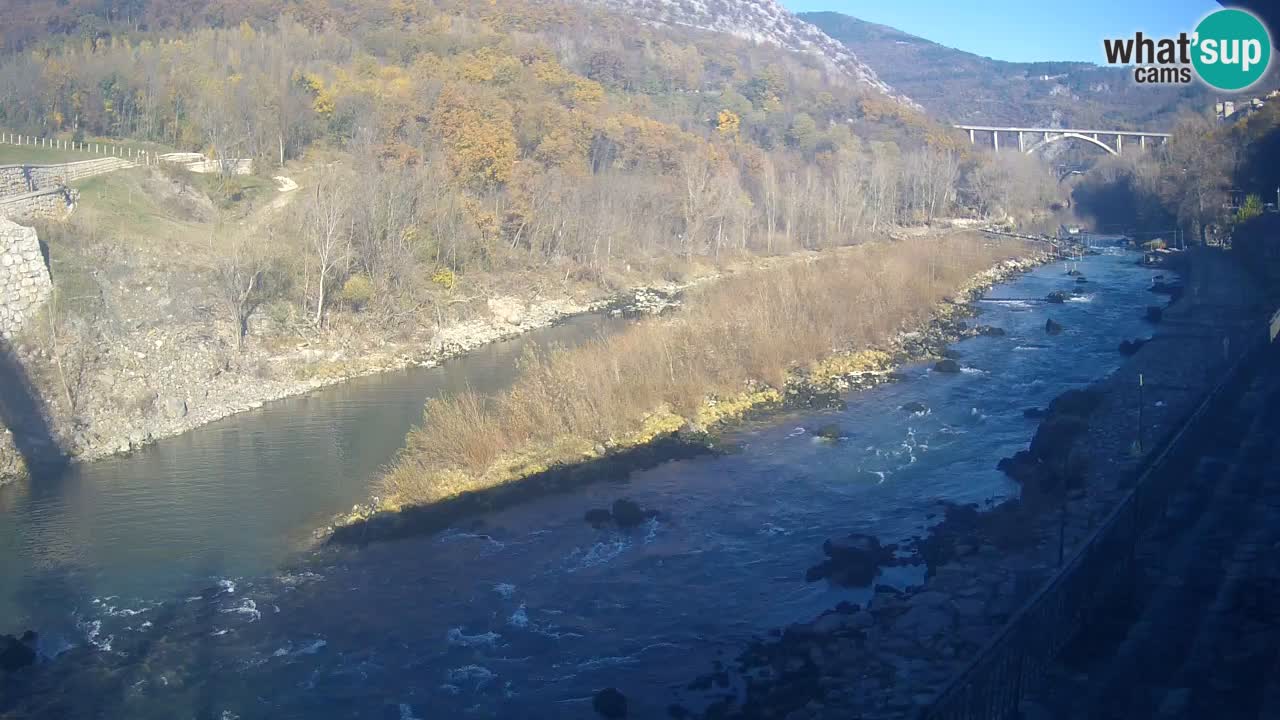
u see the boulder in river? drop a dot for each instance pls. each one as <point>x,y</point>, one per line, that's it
<point>1075,273</point>
<point>1081,280</point>
<point>991,331</point>
<point>1052,327</point>
<point>1131,347</point>
<point>1057,296</point>
<point>598,517</point>
<point>17,653</point>
<point>852,561</point>
<point>950,354</point>
<point>625,513</point>
<point>947,365</point>
<point>628,513</point>
<point>915,406</point>
<point>830,431</point>
<point>610,703</point>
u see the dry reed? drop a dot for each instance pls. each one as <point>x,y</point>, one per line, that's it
<point>744,332</point>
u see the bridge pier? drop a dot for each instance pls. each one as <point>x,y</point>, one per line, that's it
<point>1021,146</point>
<point>995,139</point>
<point>1119,144</point>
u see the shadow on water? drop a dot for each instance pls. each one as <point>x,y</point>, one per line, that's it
<point>22,411</point>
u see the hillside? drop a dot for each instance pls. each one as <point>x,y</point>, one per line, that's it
<point>965,88</point>
<point>458,164</point>
<point>764,21</point>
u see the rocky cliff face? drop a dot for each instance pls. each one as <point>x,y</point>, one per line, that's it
<point>761,21</point>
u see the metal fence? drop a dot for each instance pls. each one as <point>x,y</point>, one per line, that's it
<point>1019,656</point>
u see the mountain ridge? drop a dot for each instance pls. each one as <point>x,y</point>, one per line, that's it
<point>965,87</point>
<point>760,21</point>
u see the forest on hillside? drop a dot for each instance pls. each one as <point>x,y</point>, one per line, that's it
<point>438,138</point>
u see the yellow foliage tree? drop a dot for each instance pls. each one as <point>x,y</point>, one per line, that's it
<point>479,137</point>
<point>728,123</point>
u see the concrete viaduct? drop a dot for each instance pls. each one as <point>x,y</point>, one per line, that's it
<point>1033,139</point>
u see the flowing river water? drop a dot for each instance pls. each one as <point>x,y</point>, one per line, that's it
<point>170,583</point>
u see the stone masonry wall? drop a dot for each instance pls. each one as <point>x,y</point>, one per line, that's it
<point>24,279</point>
<point>20,179</point>
<point>52,204</point>
<point>14,180</point>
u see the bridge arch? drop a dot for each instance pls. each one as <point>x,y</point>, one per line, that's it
<point>1063,136</point>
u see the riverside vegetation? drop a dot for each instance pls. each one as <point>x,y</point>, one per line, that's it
<point>734,347</point>
<point>459,164</point>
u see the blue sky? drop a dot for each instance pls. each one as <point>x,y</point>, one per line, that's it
<point>1024,30</point>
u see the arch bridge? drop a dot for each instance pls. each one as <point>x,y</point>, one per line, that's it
<point>1033,139</point>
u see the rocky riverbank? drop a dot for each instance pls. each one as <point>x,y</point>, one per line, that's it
<point>891,658</point>
<point>173,379</point>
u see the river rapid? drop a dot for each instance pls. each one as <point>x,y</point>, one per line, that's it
<point>169,583</point>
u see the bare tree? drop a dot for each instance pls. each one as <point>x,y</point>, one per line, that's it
<point>241,270</point>
<point>326,229</point>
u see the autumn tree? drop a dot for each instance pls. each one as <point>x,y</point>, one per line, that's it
<point>326,231</point>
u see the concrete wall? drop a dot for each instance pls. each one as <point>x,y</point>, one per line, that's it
<point>24,280</point>
<point>55,203</point>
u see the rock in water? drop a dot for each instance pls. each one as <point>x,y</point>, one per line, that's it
<point>1057,296</point>
<point>947,366</point>
<point>598,517</point>
<point>610,703</point>
<point>628,513</point>
<point>830,431</point>
<point>852,561</point>
<point>1081,280</point>
<point>916,407</point>
<point>991,331</point>
<point>1052,327</point>
<point>16,654</point>
<point>1131,347</point>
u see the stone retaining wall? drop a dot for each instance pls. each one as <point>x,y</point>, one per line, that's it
<point>24,279</point>
<point>21,179</point>
<point>51,204</point>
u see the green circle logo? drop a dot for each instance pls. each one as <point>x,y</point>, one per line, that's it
<point>1233,49</point>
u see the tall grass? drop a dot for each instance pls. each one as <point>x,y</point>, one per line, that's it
<point>743,332</point>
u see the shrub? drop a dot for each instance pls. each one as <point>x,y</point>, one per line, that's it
<point>357,291</point>
<point>445,278</point>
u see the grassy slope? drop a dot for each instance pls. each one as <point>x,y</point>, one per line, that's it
<point>32,155</point>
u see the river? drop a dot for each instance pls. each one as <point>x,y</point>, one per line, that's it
<point>174,574</point>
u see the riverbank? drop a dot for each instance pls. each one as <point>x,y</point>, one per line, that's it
<point>755,343</point>
<point>170,375</point>
<point>890,658</point>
